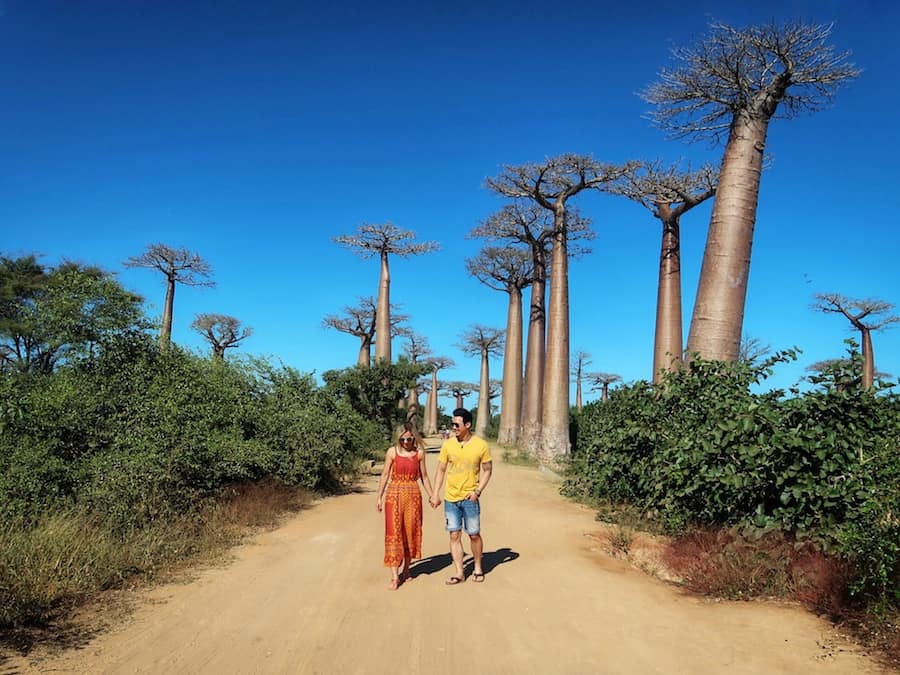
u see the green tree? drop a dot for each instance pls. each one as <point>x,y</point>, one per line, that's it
<point>375,393</point>
<point>50,315</point>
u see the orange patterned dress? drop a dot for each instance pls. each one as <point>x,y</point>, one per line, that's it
<point>403,513</point>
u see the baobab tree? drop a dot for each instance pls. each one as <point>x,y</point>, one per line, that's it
<point>437,363</point>
<point>668,193</point>
<point>179,266</point>
<point>732,85</point>
<point>416,350</point>
<point>841,375</point>
<point>360,322</point>
<point>752,350</point>
<point>550,184</point>
<point>383,240</point>
<point>580,360</point>
<point>459,390</point>
<point>856,311</point>
<point>510,270</point>
<point>221,331</point>
<point>528,223</point>
<point>602,381</point>
<point>484,342</point>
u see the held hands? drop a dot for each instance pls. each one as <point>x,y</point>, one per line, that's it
<point>435,501</point>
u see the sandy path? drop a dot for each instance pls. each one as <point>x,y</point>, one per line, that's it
<point>311,597</point>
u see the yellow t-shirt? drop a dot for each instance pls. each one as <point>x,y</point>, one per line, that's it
<point>463,465</point>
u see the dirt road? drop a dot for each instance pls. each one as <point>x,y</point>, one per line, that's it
<point>311,597</point>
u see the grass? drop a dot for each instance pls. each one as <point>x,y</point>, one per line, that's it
<point>69,558</point>
<point>518,457</point>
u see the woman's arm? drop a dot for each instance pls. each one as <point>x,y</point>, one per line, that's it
<point>385,473</point>
<point>423,473</point>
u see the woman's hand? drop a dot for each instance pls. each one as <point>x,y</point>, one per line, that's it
<point>378,505</point>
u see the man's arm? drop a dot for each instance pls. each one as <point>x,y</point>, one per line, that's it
<point>484,479</point>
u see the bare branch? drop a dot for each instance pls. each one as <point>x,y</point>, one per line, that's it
<point>221,331</point>
<point>754,72</point>
<point>383,238</point>
<point>856,310</point>
<point>177,264</point>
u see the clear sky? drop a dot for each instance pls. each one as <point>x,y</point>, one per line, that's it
<point>254,132</point>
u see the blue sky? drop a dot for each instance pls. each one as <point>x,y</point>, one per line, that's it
<point>254,132</point>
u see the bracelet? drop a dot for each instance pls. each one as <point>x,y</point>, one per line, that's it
<point>477,492</point>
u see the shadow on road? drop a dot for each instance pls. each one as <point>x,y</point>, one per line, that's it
<point>436,563</point>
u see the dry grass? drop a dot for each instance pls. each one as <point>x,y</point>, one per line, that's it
<point>70,560</point>
<point>728,564</point>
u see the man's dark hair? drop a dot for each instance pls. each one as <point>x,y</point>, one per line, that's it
<point>465,414</point>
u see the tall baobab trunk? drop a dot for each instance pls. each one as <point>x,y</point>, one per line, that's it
<point>430,425</point>
<point>511,408</point>
<point>165,331</point>
<point>868,367</point>
<point>555,419</point>
<point>668,342</point>
<point>533,385</point>
<point>383,313</point>
<point>578,405</point>
<point>484,396</point>
<point>718,317</point>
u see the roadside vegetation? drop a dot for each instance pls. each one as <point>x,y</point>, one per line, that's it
<point>121,456</point>
<point>777,494</point>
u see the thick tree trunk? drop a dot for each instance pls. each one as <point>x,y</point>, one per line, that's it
<point>165,332</point>
<point>555,420</point>
<point>511,396</point>
<point>718,316</point>
<point>668,342</point>
<point>484,396</point>
<point>533,384</point>
<point>868,366</point>
<point>431,407</point>
<point>412,406</point>
<point>365,353</point>
<point>383,313</point>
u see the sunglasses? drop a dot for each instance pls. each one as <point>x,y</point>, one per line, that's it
<point>407,438</point>
<point>455,425</point>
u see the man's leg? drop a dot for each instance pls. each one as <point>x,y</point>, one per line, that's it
<point>477,551</point>
<point>456,552</point>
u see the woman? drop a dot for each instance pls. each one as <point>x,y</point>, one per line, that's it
<point>404,467</point>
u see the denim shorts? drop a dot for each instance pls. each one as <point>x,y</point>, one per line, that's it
<point>465,511</point>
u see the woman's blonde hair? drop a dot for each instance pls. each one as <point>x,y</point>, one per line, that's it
<point>411,428</point>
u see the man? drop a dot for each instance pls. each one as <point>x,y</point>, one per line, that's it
<point>466,461</point>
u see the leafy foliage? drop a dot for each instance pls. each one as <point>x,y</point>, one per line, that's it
<point>701,449</point>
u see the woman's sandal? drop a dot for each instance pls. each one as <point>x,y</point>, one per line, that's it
<point>452,581</point>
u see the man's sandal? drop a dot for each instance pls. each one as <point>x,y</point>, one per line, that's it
<point>478,577</point>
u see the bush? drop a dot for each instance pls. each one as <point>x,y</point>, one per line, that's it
<point>702,450</point>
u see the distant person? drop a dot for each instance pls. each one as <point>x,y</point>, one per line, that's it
<point>404,468</point>
<point>466,461</point>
